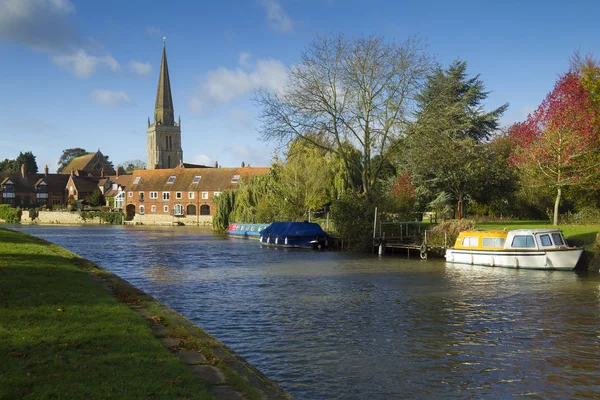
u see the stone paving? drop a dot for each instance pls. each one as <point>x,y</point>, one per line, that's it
<point>197,362</point>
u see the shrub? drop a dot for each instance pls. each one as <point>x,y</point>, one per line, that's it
<point>448,230</point>
<point>9,214</point>
<point>353,221</point>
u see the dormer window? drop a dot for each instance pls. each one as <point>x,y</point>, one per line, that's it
<point>137,180</point>
<point>171,179</point>
<point>196,179</point>
<point>235,179</point>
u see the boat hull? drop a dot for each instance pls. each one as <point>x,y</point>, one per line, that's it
<point>298,242</point>
<point>559,259</point>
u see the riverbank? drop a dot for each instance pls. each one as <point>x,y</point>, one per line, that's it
<point>71,329</point>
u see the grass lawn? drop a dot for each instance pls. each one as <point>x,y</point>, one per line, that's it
<point>577,235</point>
<point>64,337</point>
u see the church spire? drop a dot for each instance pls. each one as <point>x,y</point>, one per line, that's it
<point>163,110</point>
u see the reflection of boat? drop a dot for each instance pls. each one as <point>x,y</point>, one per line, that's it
<point>521,248</point>
<point>248,231</point>
<point>294,234</point>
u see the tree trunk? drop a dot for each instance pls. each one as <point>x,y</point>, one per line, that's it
<point>556,203</point>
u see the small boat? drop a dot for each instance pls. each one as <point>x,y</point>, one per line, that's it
<point>307,235</point>
<point>521,248</point>
<point>246,231</point>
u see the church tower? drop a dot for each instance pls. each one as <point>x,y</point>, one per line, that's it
<point>164,135</point>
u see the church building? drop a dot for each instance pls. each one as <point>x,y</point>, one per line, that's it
<point>164,135</point>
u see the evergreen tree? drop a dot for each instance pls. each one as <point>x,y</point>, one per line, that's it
<point>28,159</point>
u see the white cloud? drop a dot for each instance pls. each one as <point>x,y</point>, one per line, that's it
<point>153,30</point>
<point>82,65</point>
<point>39,24</point>
<point>225,85</point>
<point>277,18</point>
<point>110,98</point>
<point>244,59</point>
<point>140,68</point>
<point>202,159</point>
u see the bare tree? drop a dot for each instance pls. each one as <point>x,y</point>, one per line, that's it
<point>347,91</point>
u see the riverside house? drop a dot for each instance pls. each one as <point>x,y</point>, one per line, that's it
<point>181,194</point>
<point>23,189</point>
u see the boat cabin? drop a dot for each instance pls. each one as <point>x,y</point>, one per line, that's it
<point>521,239</point>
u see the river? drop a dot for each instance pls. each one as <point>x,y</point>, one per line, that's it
<point>333,325</point>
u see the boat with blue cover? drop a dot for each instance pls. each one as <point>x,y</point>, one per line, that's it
<point>308,235</point>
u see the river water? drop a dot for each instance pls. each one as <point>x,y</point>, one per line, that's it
<point>332,325</point>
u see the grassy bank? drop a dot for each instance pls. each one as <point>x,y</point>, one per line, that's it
<point>64,336</point>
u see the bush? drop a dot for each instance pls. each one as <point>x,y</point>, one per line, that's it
<point>353,221</point>
<point>9,214</point>
<point>449,230</point>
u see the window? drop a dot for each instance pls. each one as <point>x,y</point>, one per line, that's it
<point>171,179</point>
<point>153,209</point>
<point>130,194</point>
<point>166,195</point>
<point>141,196</point>
<point>523,242</point>
<point>493,242</point>
<point>558,239</point>
<point>166,209</point>
<point>178,195</point>
<point>154,195</point>
<point>137,180</point>
<point>235,179</point>
<point>178,209</point>
<point>196,179</point>
<point>191,209</point>
<point>216,193</point>
<point>470,241</point>
<point>191,195</point>
<point>545,240</point>
<point>204,209</point>
<point>204,195</point>
<point>142,210</point>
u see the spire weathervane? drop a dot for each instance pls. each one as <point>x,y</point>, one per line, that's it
<point>164,40</point>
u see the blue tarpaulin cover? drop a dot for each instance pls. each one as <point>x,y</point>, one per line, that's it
<point>294,229</point>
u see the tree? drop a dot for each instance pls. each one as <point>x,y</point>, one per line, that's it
<point>28,159</point>
<point>344,90</point>
<point>96,198</point>
<point>131,165</point>
<point>8,165</point>
<point>557,146</point>
<point>68,155</point>
<point>445,150</point>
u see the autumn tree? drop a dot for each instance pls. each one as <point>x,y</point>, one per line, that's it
<point>346,90</point>
<point>68,155</point>
<point>557,146</point>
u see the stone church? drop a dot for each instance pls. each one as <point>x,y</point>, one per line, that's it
<point>164,135</point>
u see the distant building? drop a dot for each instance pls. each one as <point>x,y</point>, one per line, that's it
<point>184,194</point>
<point>91,164</point>
<point>22,189</point>
<point>164,134</point>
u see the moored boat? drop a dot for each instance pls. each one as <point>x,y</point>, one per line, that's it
<point>521,248</point>
<point>305,234</point>
<point>247,231</point>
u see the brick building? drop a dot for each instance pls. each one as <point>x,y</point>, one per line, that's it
<point>184,194</point>
<point>23,189</point>
<point>91,164</point>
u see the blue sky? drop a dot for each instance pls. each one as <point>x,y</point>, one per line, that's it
<point>84,73</point>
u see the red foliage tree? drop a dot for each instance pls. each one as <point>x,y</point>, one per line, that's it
<point>557,146</point>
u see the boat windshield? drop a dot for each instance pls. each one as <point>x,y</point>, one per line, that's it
<point>558,239</point>
<point>524,241</point>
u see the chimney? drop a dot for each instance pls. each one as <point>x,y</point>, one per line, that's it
<point>72,172</point>
<point>46,171</point>
<point>216,164</point>
<point>102,172</point>
<point>117,171</point>
<point>243,164</point>
<point>23,170</point>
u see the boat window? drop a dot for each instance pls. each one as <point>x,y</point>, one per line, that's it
<point>493,242</point>
<point>470,241</point>
<point>558,239</point>
<point>545,239</point>
<point>523,241</point>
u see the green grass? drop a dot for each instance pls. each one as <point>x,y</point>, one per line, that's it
<point>577,235</point>
<point>63,336</point>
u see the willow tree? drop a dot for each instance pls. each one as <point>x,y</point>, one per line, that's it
<point>347,90</point>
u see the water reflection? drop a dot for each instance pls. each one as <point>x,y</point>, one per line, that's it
<point>332,325</point>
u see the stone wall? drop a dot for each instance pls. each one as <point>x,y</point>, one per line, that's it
<point>165,219</point>
<point>57,217</point>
